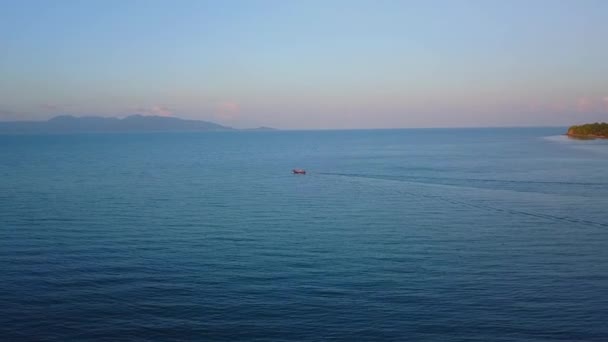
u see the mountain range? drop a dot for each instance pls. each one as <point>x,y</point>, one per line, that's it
<point>91,124</point>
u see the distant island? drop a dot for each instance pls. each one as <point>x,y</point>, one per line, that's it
<point>95,124</point>
<point>261,128</point>
<point>589,131</point>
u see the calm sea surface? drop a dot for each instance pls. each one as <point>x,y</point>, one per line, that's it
<point>393,235</point>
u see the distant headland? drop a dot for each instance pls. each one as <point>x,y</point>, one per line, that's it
<point>261,128</point>
<point>598,130</point>
<point>96,124</point>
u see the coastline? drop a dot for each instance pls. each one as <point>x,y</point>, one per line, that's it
<point>585,136</point>
<point>597,130</point>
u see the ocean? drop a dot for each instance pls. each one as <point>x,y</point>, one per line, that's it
<point>497,234</point>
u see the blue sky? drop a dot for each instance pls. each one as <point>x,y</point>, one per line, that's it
<point>308,64</point>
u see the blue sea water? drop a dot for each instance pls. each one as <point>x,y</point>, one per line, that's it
<point>393,235</point>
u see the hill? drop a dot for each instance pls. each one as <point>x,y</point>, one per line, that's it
<point>261,128</point>
<point>594,130</point>
<point>133,123</point>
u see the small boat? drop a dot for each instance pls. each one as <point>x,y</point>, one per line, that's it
<point>298,171</point>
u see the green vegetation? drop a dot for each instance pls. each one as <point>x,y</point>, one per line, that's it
<point>594,130</point>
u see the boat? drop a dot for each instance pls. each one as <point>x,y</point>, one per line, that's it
<point>298,171</point>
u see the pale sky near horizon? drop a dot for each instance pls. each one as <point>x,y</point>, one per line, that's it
<point>308,64</point>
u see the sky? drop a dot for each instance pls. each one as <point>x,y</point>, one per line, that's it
<point>308,64</point>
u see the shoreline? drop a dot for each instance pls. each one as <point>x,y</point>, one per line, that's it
<point>585,137</point>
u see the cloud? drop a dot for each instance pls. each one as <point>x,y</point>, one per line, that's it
<point>227,110</point>
<point>162,111</point>
<point>154,110</point>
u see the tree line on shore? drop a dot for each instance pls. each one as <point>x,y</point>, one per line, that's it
<point>598,129</point>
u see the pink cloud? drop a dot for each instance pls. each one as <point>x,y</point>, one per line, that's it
<point>154,110</point>
<point>162,111</point>
<point>227,110</point>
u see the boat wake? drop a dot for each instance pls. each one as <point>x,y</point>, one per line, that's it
<point>415,179</point>
<point>470,204</point>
